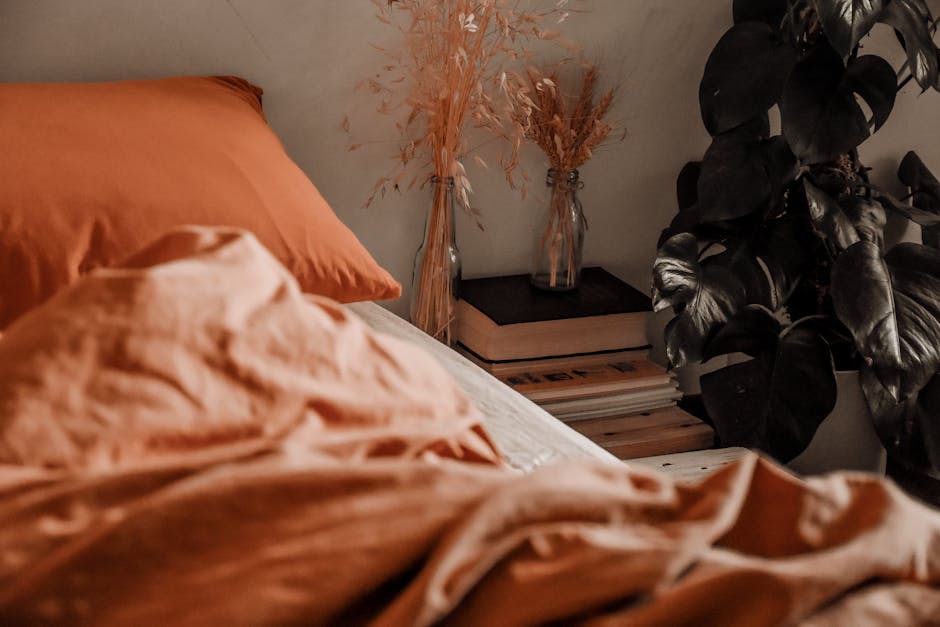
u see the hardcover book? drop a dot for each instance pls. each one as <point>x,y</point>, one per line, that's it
<point>506,318</point>
<point>657,432</point>
<point>616,404</point>
<point>586,381</point>
<point>515,366</point>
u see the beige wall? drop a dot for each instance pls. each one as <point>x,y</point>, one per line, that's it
<point>308,55</point>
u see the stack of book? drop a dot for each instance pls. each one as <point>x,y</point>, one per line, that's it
<point>583,356</point>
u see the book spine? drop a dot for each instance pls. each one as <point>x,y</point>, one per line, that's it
<point>572,377</point>
<point>626,353</point>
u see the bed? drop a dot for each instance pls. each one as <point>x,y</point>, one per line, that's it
<point>525,434</point>
<point>194,430</point>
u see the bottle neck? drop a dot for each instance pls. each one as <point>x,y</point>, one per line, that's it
<point>443,192</point>
<point>568,180</point>
<point>445,182</point>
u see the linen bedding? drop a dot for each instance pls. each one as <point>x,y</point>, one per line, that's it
<point>190,440</point>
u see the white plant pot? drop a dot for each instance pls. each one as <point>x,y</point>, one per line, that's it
<point>689,376</point>
<point>846,439</point>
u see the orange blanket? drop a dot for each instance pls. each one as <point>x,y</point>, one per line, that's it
<point>191,441</point>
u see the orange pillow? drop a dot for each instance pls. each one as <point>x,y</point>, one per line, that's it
<point>91,172</point>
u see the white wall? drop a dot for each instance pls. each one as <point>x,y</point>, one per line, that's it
<point>309,54</point>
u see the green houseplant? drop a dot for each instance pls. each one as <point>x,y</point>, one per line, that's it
<point>777,250</point>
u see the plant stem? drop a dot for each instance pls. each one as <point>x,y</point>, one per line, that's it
<point>434,301</point>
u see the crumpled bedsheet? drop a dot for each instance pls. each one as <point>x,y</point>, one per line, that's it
<point>175,451</point>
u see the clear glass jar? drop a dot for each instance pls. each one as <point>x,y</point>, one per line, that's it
<point>436,278</point>
<point>559,245</point>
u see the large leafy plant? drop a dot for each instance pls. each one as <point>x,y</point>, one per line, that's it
<point>778,251</point>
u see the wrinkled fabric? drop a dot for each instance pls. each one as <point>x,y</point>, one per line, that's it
<point>293,467</point>
<point>202,340</point>
<point>270,537</point>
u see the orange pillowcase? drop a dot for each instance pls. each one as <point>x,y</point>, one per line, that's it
<point>90,172</point>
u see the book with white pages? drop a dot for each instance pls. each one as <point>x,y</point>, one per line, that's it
<point>599,406</point>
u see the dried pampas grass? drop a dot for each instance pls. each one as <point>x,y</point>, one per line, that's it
<point>450,75</point>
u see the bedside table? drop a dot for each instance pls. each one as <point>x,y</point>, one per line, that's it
<point>693,465</point>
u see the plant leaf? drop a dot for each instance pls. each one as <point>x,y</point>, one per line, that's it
<point>744,265</point>
<point>744,76</point>
<point>858,219</point>
<point>777,401</point>
<point>768,257</point>
<point>687,198</point>
<point>684,221</point>
<point>869,219</point>
<point>891,305</point>
<point>845,22</point>
<point>925,189</point>
<point>873,78</point>
<point>733,182</point>
<point>911,20</point>
<point>743,173</point>
<point>915,274</point>
<point>675,272</point>
<point>689,217</point>
<point>703,296</point>
<point>752,331</point>
<point>776,250</point>
<point>687,184</point>
<point>863,298</point>
<point>780,163</point>
<point>930,236</point>
<point>909,430</point>
<point>828,218</point>
<point>770,12</point>
<point>819,114</point>
<point>924,217</point>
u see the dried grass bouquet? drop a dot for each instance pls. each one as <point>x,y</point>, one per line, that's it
<point>451,75</point>
<point>568,128</point>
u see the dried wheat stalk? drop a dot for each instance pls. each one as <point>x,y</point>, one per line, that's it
<point>568,129</point>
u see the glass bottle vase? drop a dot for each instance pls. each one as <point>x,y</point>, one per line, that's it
<point>437,267</point>
<point>559,245</point>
